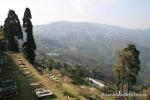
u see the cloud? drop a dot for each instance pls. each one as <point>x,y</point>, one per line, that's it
<point>78,6</point>
<point>106,1</point>
<point>87,6</point>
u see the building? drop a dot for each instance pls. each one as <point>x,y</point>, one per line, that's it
<point>97,83</point>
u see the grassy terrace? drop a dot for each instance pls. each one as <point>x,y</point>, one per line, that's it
<point>10,71</point>
<point>62,90</point>
<point>26,92</point>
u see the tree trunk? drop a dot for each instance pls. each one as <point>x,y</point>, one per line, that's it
<point>128,88</point>
<point>118,84</point>
<point>122,87</point>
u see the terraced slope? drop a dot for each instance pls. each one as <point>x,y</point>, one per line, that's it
<point>62,90</point>
<point>11,71</point>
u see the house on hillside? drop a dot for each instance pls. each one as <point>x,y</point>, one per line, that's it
<point>97,83</point>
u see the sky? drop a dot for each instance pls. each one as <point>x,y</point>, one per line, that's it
<point>133,14</point>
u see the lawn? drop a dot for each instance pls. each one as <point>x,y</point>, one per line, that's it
<point>36,76</point>
<point>10,71</point>
<point>26,92</point>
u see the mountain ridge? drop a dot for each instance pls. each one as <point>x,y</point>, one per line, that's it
<point>117,26</point>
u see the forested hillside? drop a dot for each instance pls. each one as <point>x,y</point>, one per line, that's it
<point>92,44</point>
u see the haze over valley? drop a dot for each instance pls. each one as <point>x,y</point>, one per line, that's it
<point>92,44</point>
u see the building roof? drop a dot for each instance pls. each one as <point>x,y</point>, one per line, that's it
<point>98,82</point>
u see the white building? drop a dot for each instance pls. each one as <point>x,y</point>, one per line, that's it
<point>95,82</point>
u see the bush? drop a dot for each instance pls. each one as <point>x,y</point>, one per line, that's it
<point>66,93</point>
<point>88,96</point>
<point>77,98</point>
<point>106,90</point>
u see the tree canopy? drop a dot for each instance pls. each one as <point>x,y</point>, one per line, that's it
<point>29,45</point>
<point>127,66</point>
<point>13,31</point>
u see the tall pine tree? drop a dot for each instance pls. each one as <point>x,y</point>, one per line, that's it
<point>29,46</point>
<point>128,67</point>
<point>13,31</point>
<point>130,55</point>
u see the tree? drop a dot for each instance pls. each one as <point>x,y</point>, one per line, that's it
<point>130,55</point>
<point>13,31</point>
<point>127,67</point>
<point>29,46</point>
<point>119,71</point>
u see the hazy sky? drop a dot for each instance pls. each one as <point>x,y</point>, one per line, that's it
<point>124,13</point>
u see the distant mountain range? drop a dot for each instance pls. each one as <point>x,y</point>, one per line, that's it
<point>92,43</point>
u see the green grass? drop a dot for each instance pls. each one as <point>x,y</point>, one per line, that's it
<point>25,91</point>
<point>10,71</point>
